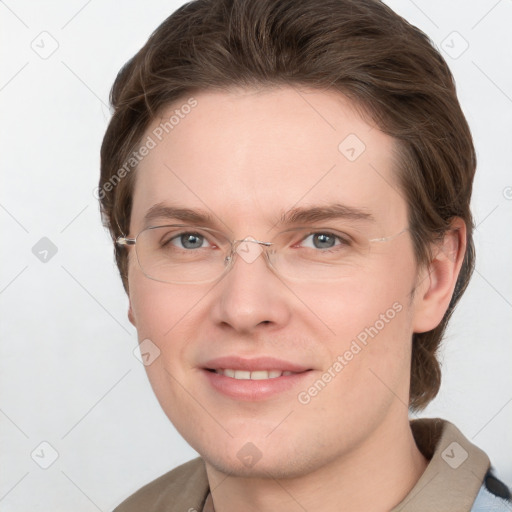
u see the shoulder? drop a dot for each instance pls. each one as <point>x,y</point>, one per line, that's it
<point>183,488</point>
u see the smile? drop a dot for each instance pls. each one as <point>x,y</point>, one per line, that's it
<point>252,375</point>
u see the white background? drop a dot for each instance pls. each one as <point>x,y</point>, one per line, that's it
<point>68,375</point>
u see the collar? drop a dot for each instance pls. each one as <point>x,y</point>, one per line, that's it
<point>454,474</point>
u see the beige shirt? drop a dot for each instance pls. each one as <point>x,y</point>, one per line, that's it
<point>450,483</point>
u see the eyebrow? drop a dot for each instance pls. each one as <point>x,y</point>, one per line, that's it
<point>298,215</point>
<point>163,211</point>
<point>328,212</point>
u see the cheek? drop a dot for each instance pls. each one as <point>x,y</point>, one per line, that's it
<point>350,306</point>
<point>370,343</point>
<point>169,316</point>
<point>367,370</point>
<point>158,307</point>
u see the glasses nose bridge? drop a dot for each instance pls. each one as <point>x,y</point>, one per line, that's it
<point>247,255</point>
<point>235,243</point>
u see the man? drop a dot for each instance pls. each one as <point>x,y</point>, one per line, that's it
<point>288,185</point>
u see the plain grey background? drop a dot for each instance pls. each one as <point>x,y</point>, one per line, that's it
<point>69,378</point>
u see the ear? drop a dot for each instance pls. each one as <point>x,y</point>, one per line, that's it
<point>435,285</point>
<point>131,317</point>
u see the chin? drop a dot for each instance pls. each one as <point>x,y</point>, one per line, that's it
<point>275,469</point>
<point>249,461</point>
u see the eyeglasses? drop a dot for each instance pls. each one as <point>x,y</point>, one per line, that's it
<point>181,254</point>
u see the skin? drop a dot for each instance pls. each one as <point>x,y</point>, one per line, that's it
<point>247,155</point>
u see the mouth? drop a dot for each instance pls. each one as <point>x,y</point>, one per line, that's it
<point>252,375</point>
<point>253,379</point>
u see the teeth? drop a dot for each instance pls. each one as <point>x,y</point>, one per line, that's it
<point>256,375</point>
<point>259,375</point>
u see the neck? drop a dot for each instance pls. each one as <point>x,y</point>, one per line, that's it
<point>375,477</point>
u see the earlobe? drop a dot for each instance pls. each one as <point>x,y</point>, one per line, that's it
<point>131,316</point>
<point>436,286</point>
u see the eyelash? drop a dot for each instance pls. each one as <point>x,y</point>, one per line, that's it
<point>343,241</point>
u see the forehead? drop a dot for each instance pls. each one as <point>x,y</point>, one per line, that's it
<point>247,156</point>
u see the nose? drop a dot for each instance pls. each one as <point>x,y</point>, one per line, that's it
<point>250,296</point>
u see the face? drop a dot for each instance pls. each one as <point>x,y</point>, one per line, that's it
<point>246,158</point>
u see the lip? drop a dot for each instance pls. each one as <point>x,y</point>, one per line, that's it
<point>253,390</point>
<point>254,364</point>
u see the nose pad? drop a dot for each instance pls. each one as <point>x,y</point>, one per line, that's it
<point>248,249</point>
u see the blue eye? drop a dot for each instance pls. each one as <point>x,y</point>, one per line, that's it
<point>187,241</point>
<point>325,240</point>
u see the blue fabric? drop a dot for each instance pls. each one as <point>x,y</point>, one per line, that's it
<point>488,502</point>
<point>493,496</point>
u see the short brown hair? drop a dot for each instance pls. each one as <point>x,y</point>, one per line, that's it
<point>360,48</point>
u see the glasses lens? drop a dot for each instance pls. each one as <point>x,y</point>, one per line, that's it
<point>306,254</point>
<point>181,254</point>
